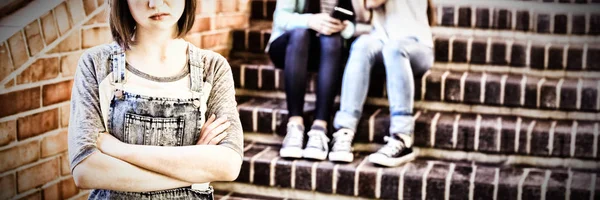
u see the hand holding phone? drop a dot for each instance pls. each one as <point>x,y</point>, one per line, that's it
<point>324,24</point>
<point>342,14</point>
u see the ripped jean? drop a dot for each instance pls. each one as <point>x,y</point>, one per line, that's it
<point>403,60</point>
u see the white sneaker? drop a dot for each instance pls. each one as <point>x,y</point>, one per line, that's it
<point>317,145</point>
<point>392,154</point>
<point>292,143</point>
<point>341,151</point>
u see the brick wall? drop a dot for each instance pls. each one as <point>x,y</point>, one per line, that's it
<point>37,65</point>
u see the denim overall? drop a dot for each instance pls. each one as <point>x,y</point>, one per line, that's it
<point>145,120</point>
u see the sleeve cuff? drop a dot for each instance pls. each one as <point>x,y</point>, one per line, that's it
<point>348,32</point>
<point>300,21</point>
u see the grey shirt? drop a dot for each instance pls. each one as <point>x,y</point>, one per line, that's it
<point>86,119</point>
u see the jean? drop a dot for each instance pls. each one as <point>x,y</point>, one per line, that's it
<point>300,50</point>
<point>403,60</point>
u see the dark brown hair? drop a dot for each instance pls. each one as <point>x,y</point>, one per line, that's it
<point>122,24</point>
<point>431,14</point>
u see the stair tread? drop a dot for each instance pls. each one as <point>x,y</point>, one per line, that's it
<point>268,169</point>
<point>485,133</point>
<point>218,194</point>
<point>455,87</point>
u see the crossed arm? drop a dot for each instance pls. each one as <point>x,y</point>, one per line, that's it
<point>139,168</point>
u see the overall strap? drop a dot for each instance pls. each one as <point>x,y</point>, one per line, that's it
<point>117,59</point>
<point>196,64</point>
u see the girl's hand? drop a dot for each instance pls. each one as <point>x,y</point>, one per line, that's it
<point>107,143</point>
<point>213,131</point>
<point>325,24</point>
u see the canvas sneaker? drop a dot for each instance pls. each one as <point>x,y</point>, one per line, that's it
<point>394,153</point>
<point>341,151</point>
<point>317,146</point>
<point>292,143</point>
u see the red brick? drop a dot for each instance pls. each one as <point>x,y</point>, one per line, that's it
<point>68,63</point>
<point>65,112</point>
<point>99,18</point>
<point>41,69</point>
<point>49,27</point>
<point>198,5</point>
<point>37,124</point>
<point>17,49</point>
<point>239,20</point>
<point>62,18</point>
<point>68,188</point>
<point>194,38</point>
<point>56,93</point>
<point>89,6</point>
<point>208,6</point>
<point>244,6</point>
<point>83,196</point>
<point>19,155</point>
<point>201,24</point>
<point>37,175</point>
<point>8,132</point>
<point>52,192</point>
<point>227,6</point>
<point>34,196</point>
<point>224,51</point>
<point>77,10</point>
<point>7,186</point>
<point>6,66</point>
<point>215,39</point>
<point>10,83</point>
<point>96,36</point>
<point>71,43</point>
<point>54,144</point>
<point>34,38</point>
<point>65,168</point>
<point>19,101</point>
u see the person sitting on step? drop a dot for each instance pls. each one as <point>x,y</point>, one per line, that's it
<point>401,36</point>
<point>305,37</point>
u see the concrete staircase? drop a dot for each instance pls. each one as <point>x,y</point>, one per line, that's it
<point>510,110</point>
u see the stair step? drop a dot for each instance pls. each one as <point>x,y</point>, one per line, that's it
<point>519,55</point>
<point>484,133</point>
<point>432,178</point>
<point>227,195</point>
<point>475,88</point>
<point>574,19</point>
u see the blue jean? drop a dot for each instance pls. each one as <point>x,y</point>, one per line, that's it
<point>403,60</point>
<point>299,51</point>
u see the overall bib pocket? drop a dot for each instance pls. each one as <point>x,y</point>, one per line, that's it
<point>156,131</point>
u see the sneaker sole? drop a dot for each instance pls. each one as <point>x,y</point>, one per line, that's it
<point>290,153</point>
<point>341,156</point>
<point>317,155</point>
<point>392,162</point>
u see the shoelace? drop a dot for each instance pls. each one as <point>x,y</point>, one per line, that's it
<point>317,139</point>
<point>392,147</point>
<point>293,136</point>
<point>342,141</point>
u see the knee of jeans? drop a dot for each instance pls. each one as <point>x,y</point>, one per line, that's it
<point>363,45</point>
<point>299,35</point>
<point>394,50</point>
<point>331,45</point>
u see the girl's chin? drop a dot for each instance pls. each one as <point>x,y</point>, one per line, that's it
<point>160,26</point>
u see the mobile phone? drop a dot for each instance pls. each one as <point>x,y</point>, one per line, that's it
<point>342,14</point>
